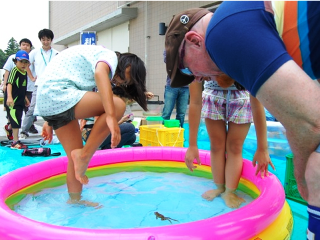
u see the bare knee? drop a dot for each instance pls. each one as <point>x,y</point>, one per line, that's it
<point>234,147</point>
<point>120,107</point>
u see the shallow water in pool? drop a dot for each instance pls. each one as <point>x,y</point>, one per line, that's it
<point>129,200</point>
<point>12,159</point>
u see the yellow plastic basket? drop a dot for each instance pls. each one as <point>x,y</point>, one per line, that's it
<point>159,135</point>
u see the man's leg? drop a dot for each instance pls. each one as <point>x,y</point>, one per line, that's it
<point>312,180</point>
<point>170,96</point>
<point>127,136</point>
<point>29,118</point>
<point>29,96</point>
<point>293,98</point>
<point>182,104</point>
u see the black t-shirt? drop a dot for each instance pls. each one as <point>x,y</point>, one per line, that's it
<point>18,80</point>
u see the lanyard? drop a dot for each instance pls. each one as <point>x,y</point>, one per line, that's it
<point>45,62</point>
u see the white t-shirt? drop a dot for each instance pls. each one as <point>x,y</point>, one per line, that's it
<point>69,76</point>
<point>39,59</point>
<point>9,65</point>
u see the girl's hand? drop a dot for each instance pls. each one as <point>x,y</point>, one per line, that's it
<point>191,154</point>
<point>47,132</point>
<point>263,159</point>
<point>149,95</point>
<point>114,130</point>
<point>82,124</point>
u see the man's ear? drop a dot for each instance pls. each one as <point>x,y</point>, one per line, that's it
<point>194,38</point>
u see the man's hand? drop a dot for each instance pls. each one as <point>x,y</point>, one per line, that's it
<point>27,102</point>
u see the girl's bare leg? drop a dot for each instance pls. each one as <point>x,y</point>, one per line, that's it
<point>89,106</point>
<point>235,139</point>
<point>217,134</point>
<point>68,136</point>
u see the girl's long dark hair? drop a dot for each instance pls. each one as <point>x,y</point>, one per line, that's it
<point>137,88</point>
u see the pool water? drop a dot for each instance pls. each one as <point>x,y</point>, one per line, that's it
<point>135,195</point>
<point>278,148</point>
<point>12,159</point>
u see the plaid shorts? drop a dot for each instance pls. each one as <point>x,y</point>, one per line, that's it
<point>227,105</point>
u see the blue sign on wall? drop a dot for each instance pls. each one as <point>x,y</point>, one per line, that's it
<point>88,38</point>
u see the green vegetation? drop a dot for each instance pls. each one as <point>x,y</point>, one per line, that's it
<point>12,48</point>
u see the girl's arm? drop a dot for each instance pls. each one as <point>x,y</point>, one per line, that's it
<point>195,106</point>
<point>104,85</point>
<point>261,155</point>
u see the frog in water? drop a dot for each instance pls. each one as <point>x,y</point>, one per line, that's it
<point>163,218</point>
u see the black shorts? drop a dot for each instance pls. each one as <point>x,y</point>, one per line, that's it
<point>61,119</point>
<point>15,115</point>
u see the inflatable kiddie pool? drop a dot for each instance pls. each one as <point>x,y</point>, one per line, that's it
<point>268,216</point>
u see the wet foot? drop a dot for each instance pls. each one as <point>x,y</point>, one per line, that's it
<point>231,199</point>
<point>212,194</point>
<point>85,203</point>
<point>80,166</point>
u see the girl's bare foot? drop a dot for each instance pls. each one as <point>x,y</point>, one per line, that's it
<point>85,203</point>
<point>75,198</point>
<point>80,166</point>
<point>213,193</point>
<point>231,199</point>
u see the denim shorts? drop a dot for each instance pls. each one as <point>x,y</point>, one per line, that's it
<point>61,119</point>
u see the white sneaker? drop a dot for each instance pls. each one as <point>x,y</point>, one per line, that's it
<point>23,135</point>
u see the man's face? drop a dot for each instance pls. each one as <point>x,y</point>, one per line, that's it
<point>197,62</point>
<point>46,42</point>
<point>201,66</point>
<point>25,46</point>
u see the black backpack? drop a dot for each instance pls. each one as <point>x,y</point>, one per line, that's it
<point>43,152</point>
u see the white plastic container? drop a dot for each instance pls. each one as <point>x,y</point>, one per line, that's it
<point>278,145</point>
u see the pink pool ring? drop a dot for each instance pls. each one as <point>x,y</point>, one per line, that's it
<point>243,223</point>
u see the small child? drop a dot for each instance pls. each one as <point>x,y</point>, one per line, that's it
<point>16,98</point>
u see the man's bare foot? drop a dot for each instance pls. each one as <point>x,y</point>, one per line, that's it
<point>231,199</point>
<point>80,166</point>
